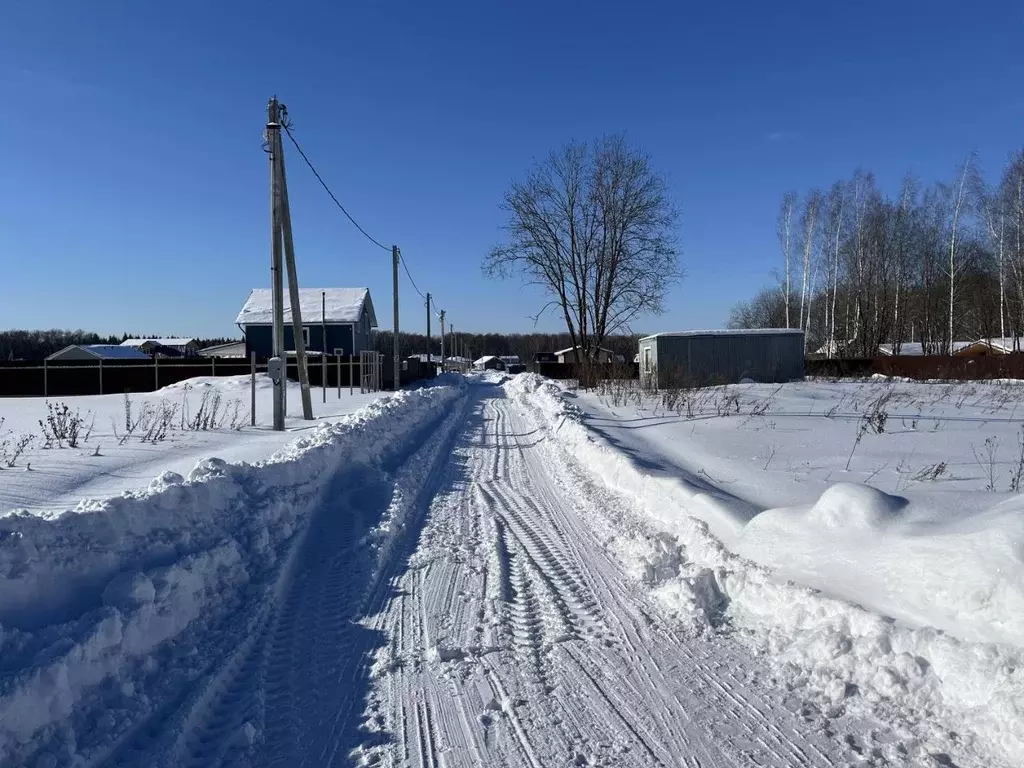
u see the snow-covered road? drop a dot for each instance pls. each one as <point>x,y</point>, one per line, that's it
<point>514,639</point>
<point>498,631</point>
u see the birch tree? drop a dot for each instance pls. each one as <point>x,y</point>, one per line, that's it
<point>784,231</point>
<point>833,231</point>
<point>958,209</point>
<point>809,240</point>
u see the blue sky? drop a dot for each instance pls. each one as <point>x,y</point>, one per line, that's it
<point>134,186</point>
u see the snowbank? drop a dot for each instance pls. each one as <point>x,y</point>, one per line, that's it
<point>90,599</point>
<point>832,649</point>
<point>965,577</point>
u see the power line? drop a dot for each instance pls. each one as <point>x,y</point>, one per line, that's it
<point>328,190</point>
<point>409,275</point>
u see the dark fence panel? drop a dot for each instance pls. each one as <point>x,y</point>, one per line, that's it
<point>86,377</point>
<point>839,368</point>
<point>599,370</point>
<point>923,367</point>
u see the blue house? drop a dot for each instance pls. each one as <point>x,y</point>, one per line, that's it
<point>342,327</point>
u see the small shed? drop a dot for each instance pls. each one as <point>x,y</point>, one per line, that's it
<point>601,355</point>
<point>702,358</point>
<point>489,363</point>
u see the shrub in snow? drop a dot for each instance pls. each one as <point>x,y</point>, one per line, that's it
<point>62,425</point>
<point>12,448</point>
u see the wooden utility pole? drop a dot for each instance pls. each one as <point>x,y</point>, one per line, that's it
<point>394,270</point>
<point>428,330</point>
<point>293,287</point>
<point>273,135</point>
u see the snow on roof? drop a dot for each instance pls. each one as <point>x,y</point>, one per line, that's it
<point>485,359</point>
<point>729,332</point>
<point>115,351</point>
<point>570,349</point>
<point>916,348</point>
<point>344,305</point>
<point>1005,343</point>
<point>510,359</point>
<point>161,342</point>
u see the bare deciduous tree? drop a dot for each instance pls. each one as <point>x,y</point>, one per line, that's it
<point>594,227</point>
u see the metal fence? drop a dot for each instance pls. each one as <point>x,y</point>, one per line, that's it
<point>924,367</point>
<point>68,379</point>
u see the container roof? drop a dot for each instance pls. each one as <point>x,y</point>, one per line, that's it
<point>731,332</point>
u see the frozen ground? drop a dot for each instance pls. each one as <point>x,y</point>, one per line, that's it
<point>489,572</point>
<point>53,480</point>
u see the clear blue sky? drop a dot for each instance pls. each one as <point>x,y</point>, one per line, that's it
<point>134,196</point>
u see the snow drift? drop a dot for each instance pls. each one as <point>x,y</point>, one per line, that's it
<point>90,599</point>
<point>834,650</point>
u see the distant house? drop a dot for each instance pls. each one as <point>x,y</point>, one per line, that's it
<point>544,357</point>
<point>231,349</point>
<point>989,347</point>
<point>347,322</point>
<point>489,363</point>
<point>699,358</point>
<point>93,352</point>
<point>458,363</point>
<point>164,347</point>
<point>916,349</point>
<point>601,355</point>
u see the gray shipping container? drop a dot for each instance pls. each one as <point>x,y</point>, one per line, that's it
<point>701,358</point>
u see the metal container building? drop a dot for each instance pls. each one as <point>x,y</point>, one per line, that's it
<point>702,358</point>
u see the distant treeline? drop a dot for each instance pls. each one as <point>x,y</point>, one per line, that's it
<point>36,345</point>
<point>475,345</point>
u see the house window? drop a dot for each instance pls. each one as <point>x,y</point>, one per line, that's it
<point>305,337</point>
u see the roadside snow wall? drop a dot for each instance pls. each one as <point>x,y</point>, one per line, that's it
<point>90,599</point>
<point>835,652</point>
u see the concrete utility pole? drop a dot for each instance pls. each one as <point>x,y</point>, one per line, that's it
<point>273,133</point>
<point>443,365</point>
<point>323,340</point>
<point>394,269</point>
<point>428,329</point>
<point>293,287</point>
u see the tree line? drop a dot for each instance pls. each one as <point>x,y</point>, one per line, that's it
<point>934,265</point>
<point>37,345</point>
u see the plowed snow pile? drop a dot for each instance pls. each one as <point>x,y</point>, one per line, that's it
<point>89,598</point>
<point>903,612</point>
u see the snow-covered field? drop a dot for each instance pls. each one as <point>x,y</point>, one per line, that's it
<point>48,481</point>
<point>494,571</point>
<point>915,552</point>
